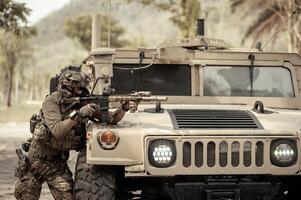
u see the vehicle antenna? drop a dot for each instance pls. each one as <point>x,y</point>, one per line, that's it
<point>276,31</point>
<point>109,23</point>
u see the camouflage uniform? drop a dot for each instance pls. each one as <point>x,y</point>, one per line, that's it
<point>48,154</point>
<point>54,136</point>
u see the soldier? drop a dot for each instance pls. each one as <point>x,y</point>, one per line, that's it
<point>53,137</point>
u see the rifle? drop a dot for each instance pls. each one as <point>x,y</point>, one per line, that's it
<point>103,101</point>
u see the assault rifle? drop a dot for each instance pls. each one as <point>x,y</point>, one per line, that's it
<point>103,100</point>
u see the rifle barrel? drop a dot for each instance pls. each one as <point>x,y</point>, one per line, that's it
<point>136,98</point>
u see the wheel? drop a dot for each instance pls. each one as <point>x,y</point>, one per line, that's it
<point>96,182</point>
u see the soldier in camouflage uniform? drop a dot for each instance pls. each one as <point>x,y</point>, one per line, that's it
<point>54,136</point>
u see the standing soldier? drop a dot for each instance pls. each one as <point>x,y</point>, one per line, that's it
<point>53,138</point>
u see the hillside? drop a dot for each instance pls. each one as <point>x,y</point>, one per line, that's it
<point>54,50</point>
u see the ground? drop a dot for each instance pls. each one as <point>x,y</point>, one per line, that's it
<point>11,137</point>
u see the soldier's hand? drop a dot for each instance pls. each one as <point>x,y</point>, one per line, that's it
<point>87,110</point>
<point>125,106</point>
<point>130,105</point>
<point>94,106</point>
<point>133,106</point>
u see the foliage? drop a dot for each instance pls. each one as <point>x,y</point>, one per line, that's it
<point>283,16</point>
<point>80,28</point>
<point>184,13</point>
<point>13,41</point>
<point>13,16</point>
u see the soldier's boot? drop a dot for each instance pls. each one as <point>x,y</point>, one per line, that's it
<point>28,188</point>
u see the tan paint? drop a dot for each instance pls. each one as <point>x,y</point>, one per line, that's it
<point>137,129</point>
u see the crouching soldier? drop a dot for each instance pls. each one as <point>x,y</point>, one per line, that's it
<point>58,132</point>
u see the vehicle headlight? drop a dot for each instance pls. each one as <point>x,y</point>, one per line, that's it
<point>162,153</point>
<point>284,153</point>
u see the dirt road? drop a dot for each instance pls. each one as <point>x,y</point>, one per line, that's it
<point>11,137</point>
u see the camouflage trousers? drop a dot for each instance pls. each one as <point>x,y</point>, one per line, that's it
<point>59,181</point>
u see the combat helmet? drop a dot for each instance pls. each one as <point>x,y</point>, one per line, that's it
<point>73,83</point>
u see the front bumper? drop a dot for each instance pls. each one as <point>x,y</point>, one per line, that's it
<point>223,190</point>
<point>246,187</point>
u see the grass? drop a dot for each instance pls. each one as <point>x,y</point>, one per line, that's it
<point>18,113</point>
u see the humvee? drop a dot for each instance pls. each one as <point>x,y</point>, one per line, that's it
<point>230,129</point>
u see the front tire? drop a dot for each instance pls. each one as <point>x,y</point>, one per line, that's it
<point>95,182</point>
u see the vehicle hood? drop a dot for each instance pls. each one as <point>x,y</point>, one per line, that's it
<point>275,121</point>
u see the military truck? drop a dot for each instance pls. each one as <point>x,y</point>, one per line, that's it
<point>230,129</point>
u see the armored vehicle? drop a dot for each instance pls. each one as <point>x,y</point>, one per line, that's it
<point>230,128</point>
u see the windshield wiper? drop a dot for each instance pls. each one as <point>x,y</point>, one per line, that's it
<point>251,58</point>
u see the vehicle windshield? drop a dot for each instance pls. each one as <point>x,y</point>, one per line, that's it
<point>236,81</point>
<point>160,79</point>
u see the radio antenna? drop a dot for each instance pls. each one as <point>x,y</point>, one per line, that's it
<point>109,22</point>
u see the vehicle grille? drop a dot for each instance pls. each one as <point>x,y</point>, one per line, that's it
<point>211,154</point>
<point>213,119</point>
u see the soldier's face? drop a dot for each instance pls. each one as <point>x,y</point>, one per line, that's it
<point>81,91</point>
<point>78,91</point>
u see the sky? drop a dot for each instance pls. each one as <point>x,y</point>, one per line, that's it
<point>41,8</point>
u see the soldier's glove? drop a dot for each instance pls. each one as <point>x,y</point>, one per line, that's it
<point>125,106</point>
<point>133,106</point>
<point>130,105</point>
<point>87,110</point>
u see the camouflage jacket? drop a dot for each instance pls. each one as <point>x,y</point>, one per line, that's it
<point>44,144</point>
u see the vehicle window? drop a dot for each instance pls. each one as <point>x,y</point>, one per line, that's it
<point>236,81</point>
<point>159,79</point>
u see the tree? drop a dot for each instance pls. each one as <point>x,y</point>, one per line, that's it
<point>13,40</point>
<point>282,16</point>
<point>80,28</point>
<point>13,15</point>
<point>184,13</point>
<point>12,48</point>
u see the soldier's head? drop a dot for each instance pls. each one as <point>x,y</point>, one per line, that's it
<point>73,83</point>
